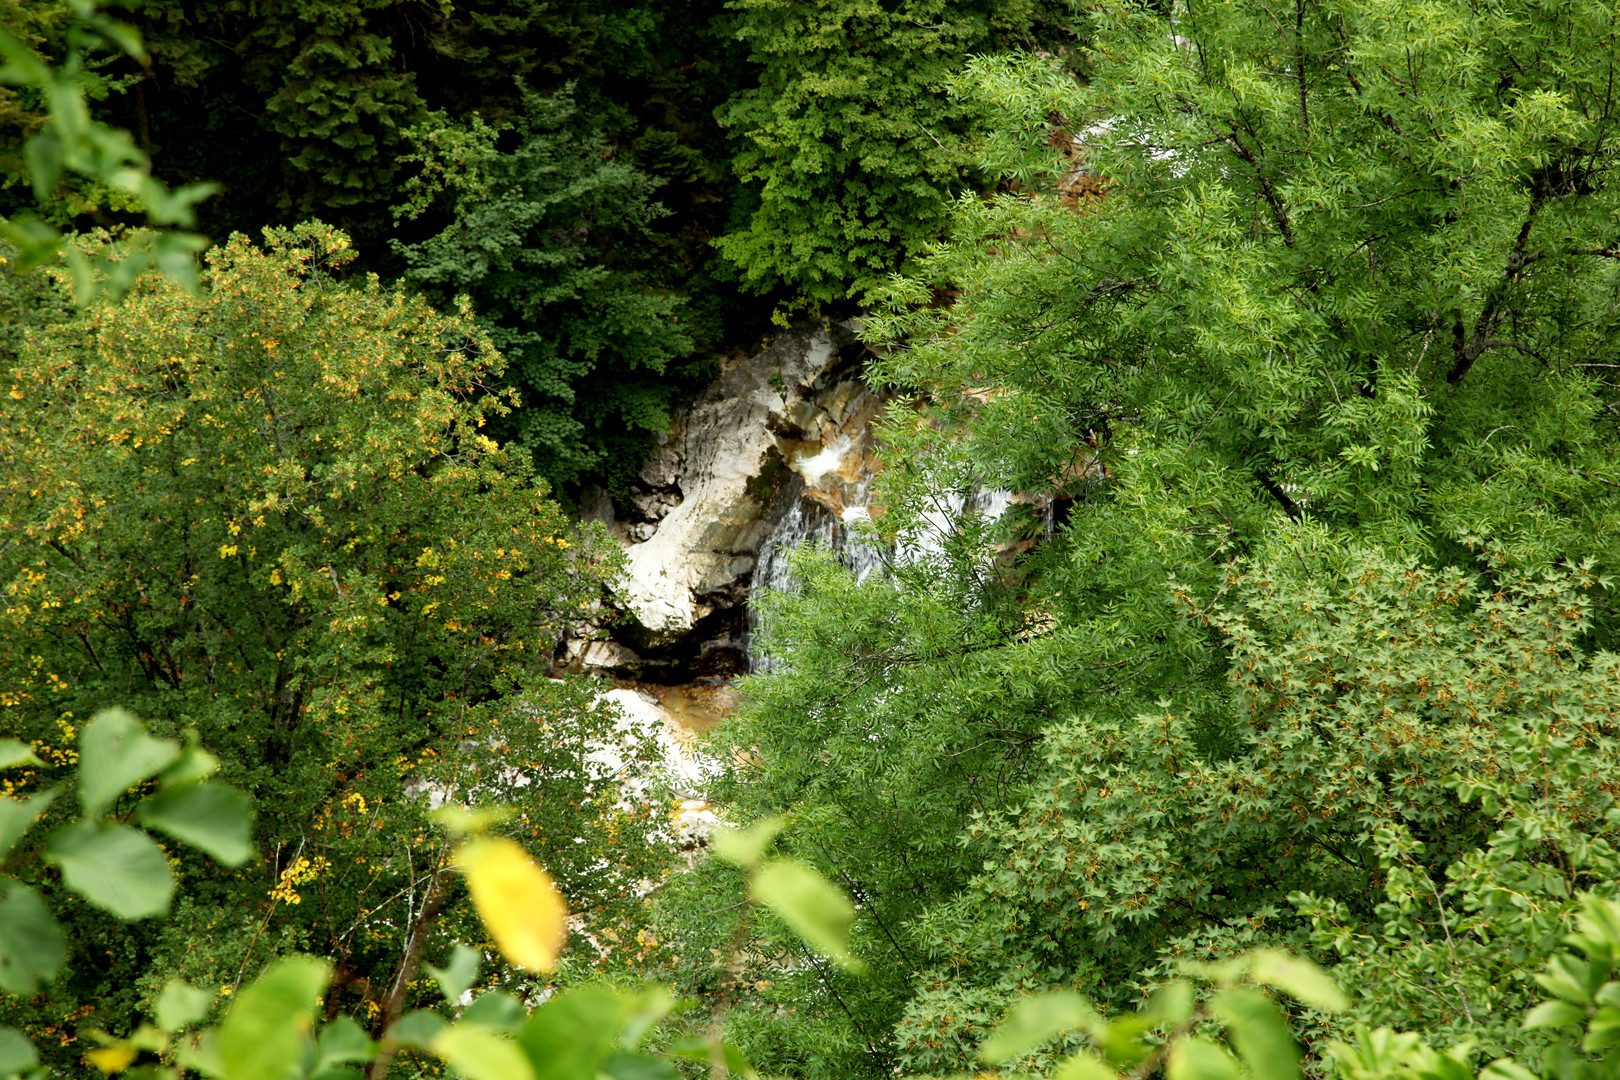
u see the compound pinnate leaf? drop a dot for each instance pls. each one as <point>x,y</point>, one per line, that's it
<point>115,867</point>
<point>213,818</point>
<point>263,1037</point>
<point>115,754</point>
<point>517,901</point>
<point>31,944</point>
<point>810,904</point>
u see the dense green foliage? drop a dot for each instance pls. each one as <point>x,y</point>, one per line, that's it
<point>584,339</point>
<point>1313,374</point>
<point>851,140</point>
<point>267,514</point>
<point>1289,332</point>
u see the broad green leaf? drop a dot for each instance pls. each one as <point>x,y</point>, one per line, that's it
<point>628,1066</point>
<point>702,1050</point>
<point>1554,1014</point>
<point>496,1010</point>
<point>417,1028</point>
<point>1506,1069</point>
<point>14,753</point>
<point>1034,1022</point>
<point>341,1042</point>
<point>1122,1039</point>
<point>16,1052</point>
<point>1197,1058</point>
<point>1084,1066</point>
<point>1171,1004</point>
<point>264,1034</point>
<point>458,975</point>
<point>115,754</point>
<point>573,1033</point>
<point>516,900</point>
<point>746,847</point>
<point>478,1053</point>
<point>652,1005</point>
<point>180,1005</point>
<point>211,817</point>
<point>816,910</point>
<point>200,1052</point>
<point>115,867</point>
<point>31,944</point>
<point>22,66</point>
<point>194,766</point>
<point>1299,979</point>
<point>1603,1032</point>
<point>17,815</point>
<point>1257,1027</point>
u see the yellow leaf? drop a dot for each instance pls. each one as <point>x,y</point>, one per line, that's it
<point>517,901</point>
<point>111,1059</point>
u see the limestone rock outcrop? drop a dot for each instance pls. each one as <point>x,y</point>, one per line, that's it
<point>700,513</point>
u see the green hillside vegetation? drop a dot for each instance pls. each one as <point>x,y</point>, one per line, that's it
<point>1270,733</point>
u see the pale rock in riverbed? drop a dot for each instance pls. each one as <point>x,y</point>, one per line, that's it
<point>707,489</point>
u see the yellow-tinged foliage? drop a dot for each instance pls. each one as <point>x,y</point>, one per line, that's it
<point>517,901</point>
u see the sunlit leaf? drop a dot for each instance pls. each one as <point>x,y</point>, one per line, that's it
<point>1034,1022</point>
<point>746,847</point>
<point>1257,1027</point>
<point>497,1010</point>
<point>1198,1058</point>
<point>14,752</point>
<point>517,901</point>
<point>458,975</point>
<point>573,1033</point>
<point>816,910</point>
<point>180,1005</point>
<point>629,1066</point>
<point>478,1053</point>
<point>114,1058</point>
<point>1299,979</point>
<point>1084,1067</point>
<point>264,1034</point>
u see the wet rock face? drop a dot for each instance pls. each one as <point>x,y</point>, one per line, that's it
<point>783,437</point>
<point>698,515</point>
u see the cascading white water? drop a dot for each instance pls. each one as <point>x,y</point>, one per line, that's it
<point>807,521</point>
